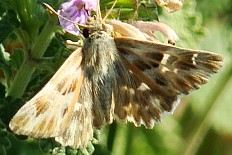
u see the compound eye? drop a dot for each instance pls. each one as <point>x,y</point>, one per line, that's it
<point>86,33</point>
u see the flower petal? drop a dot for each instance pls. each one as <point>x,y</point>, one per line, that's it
<point>77,11</point>
<point>126,30</point>
<point>166,30</point>
<point>91,5</point>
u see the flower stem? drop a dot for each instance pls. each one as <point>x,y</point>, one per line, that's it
<point>26,70</point>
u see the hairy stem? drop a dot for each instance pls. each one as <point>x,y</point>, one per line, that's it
<point>26,70</point>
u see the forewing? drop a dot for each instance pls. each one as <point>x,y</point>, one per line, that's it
<point>50,112</point>
<point>158,76</point>
<point>80,130</point>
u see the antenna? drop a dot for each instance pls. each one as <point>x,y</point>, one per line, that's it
<point>98,12</point>
<point>109,10</point>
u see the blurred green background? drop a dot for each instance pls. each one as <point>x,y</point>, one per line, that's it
<point>200,125</point>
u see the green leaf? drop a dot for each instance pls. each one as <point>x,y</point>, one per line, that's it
<point>4,57</point>
<point>8,22</point>
<point>4,140</point>
<point>130,9</point>
<point>2,150</point>
<point>5,67</point>
<point>147,12</point>
<point>17,58</point>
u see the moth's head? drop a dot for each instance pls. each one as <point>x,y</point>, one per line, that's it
<point>94,24</point>
<point>97,23</point>
<point>103,27</point>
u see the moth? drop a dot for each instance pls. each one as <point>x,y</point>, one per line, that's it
<point>112,77</point>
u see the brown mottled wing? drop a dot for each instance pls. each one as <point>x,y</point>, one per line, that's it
<point>55,110</point>
<point>158,76</point>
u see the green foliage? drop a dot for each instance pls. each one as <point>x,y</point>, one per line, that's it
<point>4,141</point>
<point>32,48</point>
<point>8,22</point>
<point>130,9</point>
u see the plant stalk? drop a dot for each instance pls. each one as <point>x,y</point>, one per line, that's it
<point>26,70</point>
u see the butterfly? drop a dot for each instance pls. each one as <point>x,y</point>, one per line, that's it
<point>113,77</point>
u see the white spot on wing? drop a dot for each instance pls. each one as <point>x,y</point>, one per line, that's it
<point>132,91</point>
<point>164,69</point>
<point>175,70</point>
<point>165,59</point>
<point>193,58</point>
<point>143,87</point>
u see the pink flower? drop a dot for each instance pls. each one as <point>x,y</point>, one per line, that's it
<point>90,5</point>
<point>77,11</point>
